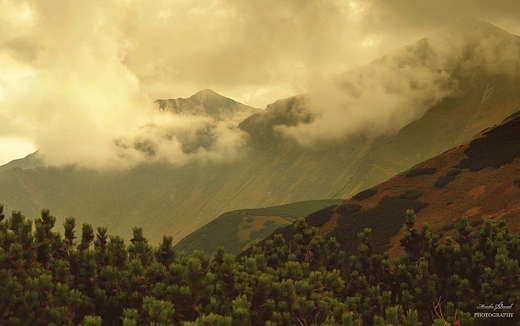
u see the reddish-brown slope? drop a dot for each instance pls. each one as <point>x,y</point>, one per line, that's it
<point>489,193</point>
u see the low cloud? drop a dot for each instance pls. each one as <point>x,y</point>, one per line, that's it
<point>70,92</point>
<point>393,91</point>
<point>77,76</point>
<point>181,139</point>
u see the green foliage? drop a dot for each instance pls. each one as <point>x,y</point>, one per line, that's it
<point>46,279</point>
<point>365,194</point>
<point>445,179</point>
<point>345,210</point>
<point>320,217</point>
<point>410,194</point>
<point>385,220</point>
<point>498,147</point>
<point>420,171</point>
<point>223,231</point>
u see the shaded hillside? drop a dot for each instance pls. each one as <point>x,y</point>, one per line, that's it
<point>272,170</point>
<point>238,230</point>
<point>480,180</point>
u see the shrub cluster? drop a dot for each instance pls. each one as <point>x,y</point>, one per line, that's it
<point>51,279</point>
<point>345,210</point>
<point>385,220</point>
<point>365,194</point>
<point>498,147</point>
<point>447,178</point>
<point>320,217</point>
<point>420,171</point>
<point>410,194</point>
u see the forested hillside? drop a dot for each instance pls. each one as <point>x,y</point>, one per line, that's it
<point>49,278</point>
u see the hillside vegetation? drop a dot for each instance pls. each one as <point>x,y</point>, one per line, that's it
<point>47,278</point>
<point>238,230</point>
<point>479,180</point>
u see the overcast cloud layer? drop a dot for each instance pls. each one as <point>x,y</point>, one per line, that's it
<point>75,75</point>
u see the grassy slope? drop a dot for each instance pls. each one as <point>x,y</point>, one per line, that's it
<point>238,230</point>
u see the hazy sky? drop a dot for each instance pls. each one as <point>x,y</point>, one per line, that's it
<point>76,73</point>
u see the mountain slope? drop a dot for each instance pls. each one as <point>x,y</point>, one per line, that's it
<point>479,179</point>
<point>274,169</point>
<point>238,230</point>
<point>31,161</point>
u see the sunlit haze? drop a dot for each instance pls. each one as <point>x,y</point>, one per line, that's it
<point>75,75</point>
<point>14,147</point>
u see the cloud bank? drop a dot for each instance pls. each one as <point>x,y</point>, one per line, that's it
<point>393,91</point>
<point>77,76</point>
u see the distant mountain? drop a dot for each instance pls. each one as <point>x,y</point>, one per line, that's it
<point>479,179</point>
<point>274,169</point>
<point>286,112</point>
<point>238,230</point>
<point>30,161</point>
<point>206,103</point>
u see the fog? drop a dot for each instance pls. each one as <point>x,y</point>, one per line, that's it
<point>78,79</point>
<point>400,87</point>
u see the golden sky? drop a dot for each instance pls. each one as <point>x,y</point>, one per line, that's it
<point>76,73</point>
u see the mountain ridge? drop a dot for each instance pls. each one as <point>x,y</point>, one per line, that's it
<point>206,103</point>
<point>479,180</point>
<point>274,170</point>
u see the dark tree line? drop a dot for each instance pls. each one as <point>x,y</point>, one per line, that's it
<point>94,278</point>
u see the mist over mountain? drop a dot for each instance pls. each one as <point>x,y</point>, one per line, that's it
<point>193,159</point>
<point>478,180</point>
<point>200,128</point>
<point>207,103</point>
<point>400,87</point>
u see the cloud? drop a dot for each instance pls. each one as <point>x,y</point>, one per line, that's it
<point>75,76</point>
<point>180,139</point>
<point>17,145</point>
<point>377,99</point>
<point>238,47</point>
<point>395,90</point>
<point>66,88</point>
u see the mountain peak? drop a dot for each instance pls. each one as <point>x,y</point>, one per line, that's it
<point>206,93</point>
<point>206,103</point>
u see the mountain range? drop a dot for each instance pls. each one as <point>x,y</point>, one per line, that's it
<point>479,180</point>
<point>445,89</point>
